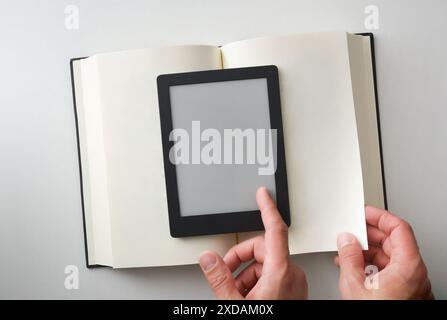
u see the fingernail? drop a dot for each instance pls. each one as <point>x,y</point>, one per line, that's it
<point>262,189</point>
<point>207,261</point>
<point>345,239</point>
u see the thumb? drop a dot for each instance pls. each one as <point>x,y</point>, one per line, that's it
<point>351,260</point>
<point>219,276</point>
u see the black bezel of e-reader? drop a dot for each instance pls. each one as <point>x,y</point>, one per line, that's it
<point>227,222</point>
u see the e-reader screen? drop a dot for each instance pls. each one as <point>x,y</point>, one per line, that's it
<point>213,114</point>
<point>222,139</point>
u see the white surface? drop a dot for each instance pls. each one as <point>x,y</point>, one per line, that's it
<point>40,226</point>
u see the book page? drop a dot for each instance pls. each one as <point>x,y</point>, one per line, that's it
<point>366,115</point>
<point>322,152</point>
<point>91,146</point>
<point>134,158</point>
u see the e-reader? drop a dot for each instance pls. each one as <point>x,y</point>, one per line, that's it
<point>222,139</point>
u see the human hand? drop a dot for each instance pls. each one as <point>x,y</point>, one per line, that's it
<point>393,250</point>
<point>271,275</point>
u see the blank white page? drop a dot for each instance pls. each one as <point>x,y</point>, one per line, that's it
<point>366,114</point>
<point>94,175</point>
<point>322,152</point>
<point>134,158</point>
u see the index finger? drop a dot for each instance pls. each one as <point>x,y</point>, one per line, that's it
<point>276,233</point>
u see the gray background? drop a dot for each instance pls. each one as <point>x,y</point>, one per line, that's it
<point>40,207</point>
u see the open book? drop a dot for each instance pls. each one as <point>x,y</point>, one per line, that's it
<point>331,134</point>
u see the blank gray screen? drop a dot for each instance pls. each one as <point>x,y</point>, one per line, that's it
<point>220,188</point>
